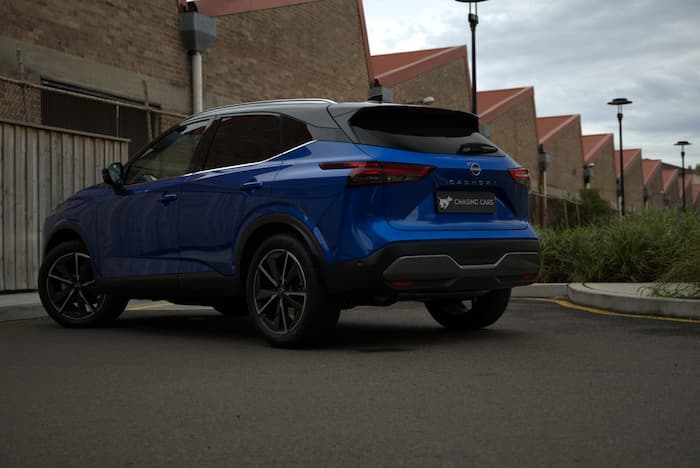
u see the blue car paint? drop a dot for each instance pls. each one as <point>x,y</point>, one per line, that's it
<point>142,232</point>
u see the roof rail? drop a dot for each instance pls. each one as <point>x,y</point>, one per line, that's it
<point>274,101</point>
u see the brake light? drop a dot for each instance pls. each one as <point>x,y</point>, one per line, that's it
<point>376,173</point>
<point>521,176</point>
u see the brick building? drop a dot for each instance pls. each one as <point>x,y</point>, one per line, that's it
<point>560,137</point>
<point>508,118</point>
<point>441,74</point>
<point>634,181</point>
<point>132,52</point>
<point>653,183</point>
<point>599,150</point>
<point>671,182</point>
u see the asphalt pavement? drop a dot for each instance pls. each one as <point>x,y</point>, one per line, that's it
<point>547,385</point>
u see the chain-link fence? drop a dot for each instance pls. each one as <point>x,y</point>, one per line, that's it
<point>61,106</point>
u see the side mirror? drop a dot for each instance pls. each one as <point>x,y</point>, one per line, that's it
<point>114,176</point>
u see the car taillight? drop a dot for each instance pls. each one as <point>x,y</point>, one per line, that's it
<point>376,173</point>
<point>521,176</point>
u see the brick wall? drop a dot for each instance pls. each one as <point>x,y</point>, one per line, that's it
<point>307,50</point>
<point>142,37</point>
<point>604,173</point>
<point>565,173</point>
<point>311,50</point>
<point>447,84</point>
<point>634,187</point>
<point>515,132</point>
<point>655,186</point>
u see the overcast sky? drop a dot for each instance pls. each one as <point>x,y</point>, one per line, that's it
<point>578,54</point>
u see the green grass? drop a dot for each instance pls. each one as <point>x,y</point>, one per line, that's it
<point>657,246</point>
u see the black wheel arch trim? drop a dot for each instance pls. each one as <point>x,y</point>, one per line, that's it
<point>65,227</point>
<point>278,218</point>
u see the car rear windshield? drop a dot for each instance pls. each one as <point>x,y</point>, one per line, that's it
<point>422,130</point>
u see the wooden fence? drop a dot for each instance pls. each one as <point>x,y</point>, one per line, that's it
<point>39,167</point>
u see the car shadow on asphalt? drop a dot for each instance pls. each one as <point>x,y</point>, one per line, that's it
<point>357,335</point>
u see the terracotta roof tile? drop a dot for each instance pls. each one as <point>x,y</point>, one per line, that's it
<point>670,176</point>
<point>592,144</point>
<point>493,103</point>
<point>649,168</point>
<point>388,62</point>
<point>391,69</point>
<point>547,127</point>
<point>628,156</point>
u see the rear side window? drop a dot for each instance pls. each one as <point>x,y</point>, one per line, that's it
<point>422,130</point>
<point>244,139</point>
<point>294,133</point>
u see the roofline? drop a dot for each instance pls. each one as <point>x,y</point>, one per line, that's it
<point>673,178</point>
<point>657,168</point>
<point>571,118</point>
<point>505,105</point>
<point>444,56</point>
<point>636,155</point>
<point>365,42</point>
<point>214,8</point>
<point>608,136</point>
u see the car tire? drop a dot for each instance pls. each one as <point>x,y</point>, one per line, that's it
<point>484,311</point>
<point>232,307</point>
<point>67,289</point>
<point>286,297</point>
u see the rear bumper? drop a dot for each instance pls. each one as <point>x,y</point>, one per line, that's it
<point>426,269</point>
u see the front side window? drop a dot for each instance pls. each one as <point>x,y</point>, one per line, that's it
<point>244,139</point>
<point>170,156</point>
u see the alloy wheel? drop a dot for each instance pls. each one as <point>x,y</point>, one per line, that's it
<point>280,291</point>
<point>70,285</point>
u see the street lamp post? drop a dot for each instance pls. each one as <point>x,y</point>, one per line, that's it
<point>683,144</point>
<point>619,102</point>
<point>473,21</point>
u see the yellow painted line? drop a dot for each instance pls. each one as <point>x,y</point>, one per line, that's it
<point>150,306</point>
<point>593,310</point>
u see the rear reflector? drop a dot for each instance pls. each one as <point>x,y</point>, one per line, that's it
<point>521,176</point>
<point>376,173</point>
<point>401,284</point>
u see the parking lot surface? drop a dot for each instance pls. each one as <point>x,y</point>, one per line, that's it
<point>546,385</point>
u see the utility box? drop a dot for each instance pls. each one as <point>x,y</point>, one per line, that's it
<point>197,30</point>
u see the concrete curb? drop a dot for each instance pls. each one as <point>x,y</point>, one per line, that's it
<point>587,295</point>
<point>540,290</point>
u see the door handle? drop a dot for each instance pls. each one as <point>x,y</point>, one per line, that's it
<point>168,197</point>
<point>251,185</point>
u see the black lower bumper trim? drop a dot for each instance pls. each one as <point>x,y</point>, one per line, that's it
<point>439,267</point>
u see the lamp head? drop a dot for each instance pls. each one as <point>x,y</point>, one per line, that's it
<point>619,102</point>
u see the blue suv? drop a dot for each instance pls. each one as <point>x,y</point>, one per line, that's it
<point>292,210</point>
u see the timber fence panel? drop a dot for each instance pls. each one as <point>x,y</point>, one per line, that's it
<point>8,200</point>
<point>2,210</point>
<point>21,184</point>
<point>40,167</point>
<point>33,224</point>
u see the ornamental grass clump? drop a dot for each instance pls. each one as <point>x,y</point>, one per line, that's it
<point>656,246</point>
